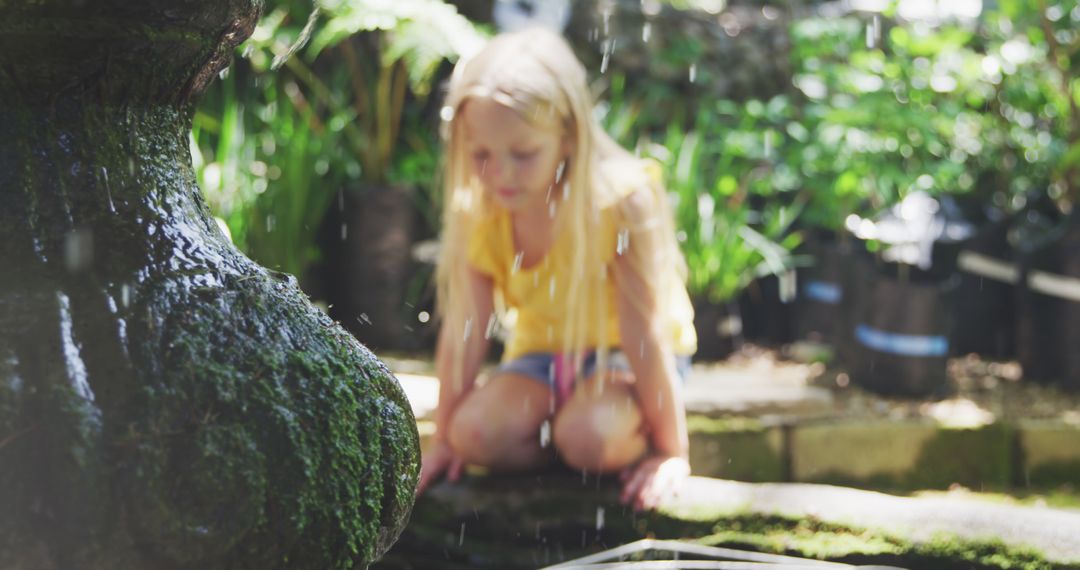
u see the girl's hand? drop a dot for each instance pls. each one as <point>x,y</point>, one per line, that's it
<point>652,480</point>
<point>437,460</point>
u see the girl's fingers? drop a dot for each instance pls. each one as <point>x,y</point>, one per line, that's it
<point>645,491</point>
<point>454,472</point>
<point>637,485</point>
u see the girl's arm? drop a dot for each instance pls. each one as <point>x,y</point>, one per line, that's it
<point>455,382</point>
<point>657,386</point>
<point>645,338</point>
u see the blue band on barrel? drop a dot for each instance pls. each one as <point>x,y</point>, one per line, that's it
<point>823,291</point>
<point>902,344</point>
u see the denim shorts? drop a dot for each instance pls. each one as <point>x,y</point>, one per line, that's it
<point>541,366</point>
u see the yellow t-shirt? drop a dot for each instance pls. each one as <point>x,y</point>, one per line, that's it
<point>537,294</point>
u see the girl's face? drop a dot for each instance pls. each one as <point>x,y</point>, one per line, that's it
<point>515,162</point>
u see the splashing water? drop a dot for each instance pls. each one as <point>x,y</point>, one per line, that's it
<point>108,188</point>
<point>873,32</point>
<point>623,241</point>
<point>609,48</point>
<point>79,249</point>
<point>76,368</point>
<point>545,434</point>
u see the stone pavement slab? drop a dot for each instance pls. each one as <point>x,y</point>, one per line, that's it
<point>1053,532</point>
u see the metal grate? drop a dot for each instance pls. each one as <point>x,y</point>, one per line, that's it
<point>687,556</point>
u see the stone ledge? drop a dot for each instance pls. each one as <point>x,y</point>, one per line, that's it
<point>907,454</point>
<point>1050,453</point>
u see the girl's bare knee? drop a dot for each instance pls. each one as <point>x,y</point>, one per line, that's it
<point>593,442</point>
<point>471,437</point>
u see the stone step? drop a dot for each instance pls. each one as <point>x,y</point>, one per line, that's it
<point>807,440</point>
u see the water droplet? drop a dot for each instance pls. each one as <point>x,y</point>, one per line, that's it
<point>646,32</point>
<point>873,32</point>
<point>108,188</point>
<point>125,295</point>
<point>224,73</point>
<point>551,288</point>
<point>693,72</point>
<point>517,262</point>
<point>609,48</point>
<point>423,316</point>
<point>551,210</point>
<point>468,329</point>
<point>559,170</point>
<point>545,434</point>
<point>269,223</point>
<point>599,519</point>
<point>461,535</point>
<point>79,249</point>
<point>341,201</point>
<point>363,318</point>
<point>344,232</point>
<point>623,241</point>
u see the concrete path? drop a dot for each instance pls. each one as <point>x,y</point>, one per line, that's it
<point>1054,532</point>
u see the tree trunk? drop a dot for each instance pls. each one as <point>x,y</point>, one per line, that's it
<point>165,402</point>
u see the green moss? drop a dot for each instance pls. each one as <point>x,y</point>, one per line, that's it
<point>290,426</point>
<point>814,539</point>
<point>743,449</point>
<point>979,458</point>
<point>708,425</point>
<point>164,402</point>
<point>1053,473</point>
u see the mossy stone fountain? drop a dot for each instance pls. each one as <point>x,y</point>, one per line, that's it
<point>165,403</point>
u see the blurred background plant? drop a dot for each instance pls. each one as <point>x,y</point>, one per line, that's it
<point>775,124</point>
<point>276,148</point>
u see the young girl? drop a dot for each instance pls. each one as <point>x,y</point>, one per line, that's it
<point>550,223</point>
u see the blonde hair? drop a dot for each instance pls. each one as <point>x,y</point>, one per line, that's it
<point>535,73</point>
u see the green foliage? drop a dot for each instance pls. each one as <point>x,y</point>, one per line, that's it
<point>723,174</point>
<point>904,114</point>
<point>274,148</point>
<point>1034,51</point>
